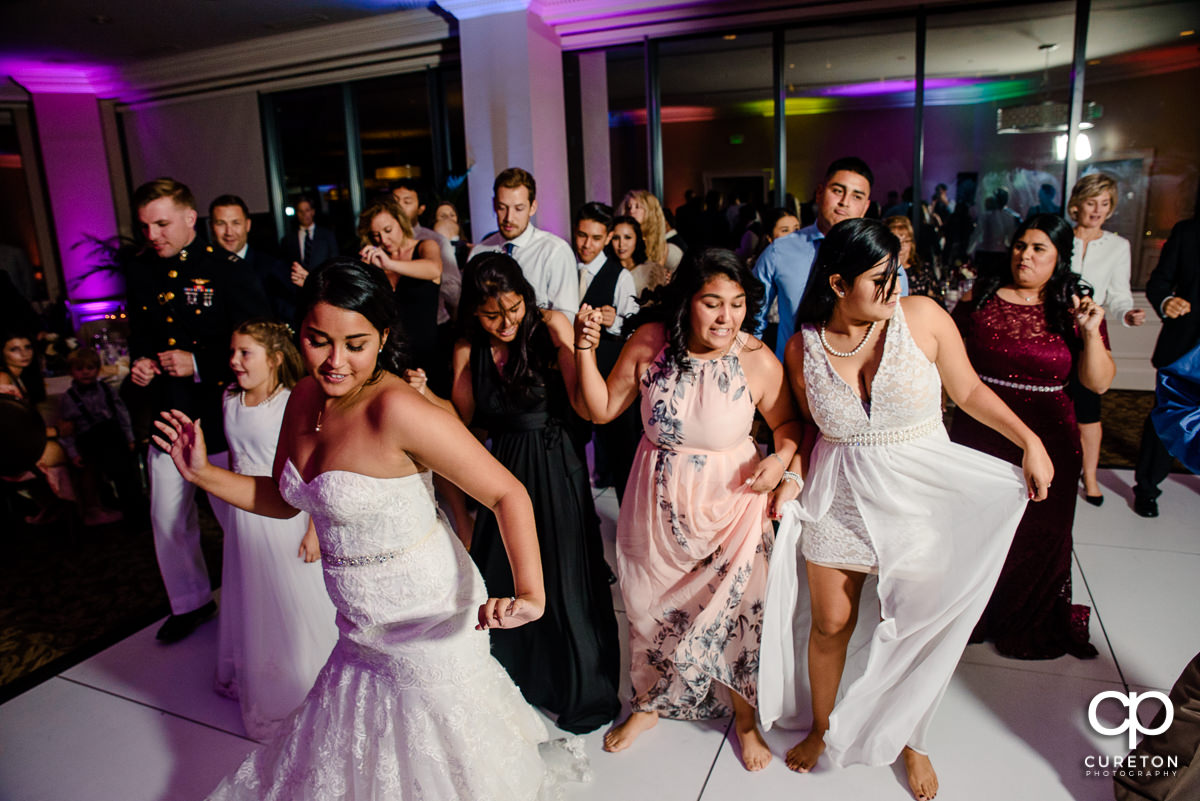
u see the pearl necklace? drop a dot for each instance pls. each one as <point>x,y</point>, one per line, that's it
<point>861,345</point>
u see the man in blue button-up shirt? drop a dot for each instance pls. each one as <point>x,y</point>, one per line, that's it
<point>785,265</point>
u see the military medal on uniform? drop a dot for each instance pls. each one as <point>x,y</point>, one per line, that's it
<point>198,294</point>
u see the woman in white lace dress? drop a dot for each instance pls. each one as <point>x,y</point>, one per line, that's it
<point>885,493</point>
<point>410,704</point>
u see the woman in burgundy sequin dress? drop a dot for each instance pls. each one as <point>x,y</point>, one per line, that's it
<point>1027,336</point>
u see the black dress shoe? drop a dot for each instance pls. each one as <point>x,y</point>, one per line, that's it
<point>1094,500</point>
<point>179,626</point>
<point>1145,507</point>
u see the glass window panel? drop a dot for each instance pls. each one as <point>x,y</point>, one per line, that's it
<point>1142,72</point>
<point>455,189</point>
<point>718,127</point>
<point>19,251</point>
<point>394,131</point>
<point>312,136</point>
<point>850,92</point>
<point>627,117</point>
<point>996,96</point>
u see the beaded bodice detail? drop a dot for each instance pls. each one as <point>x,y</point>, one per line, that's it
<point>360,516</point>
<point>905,394</point>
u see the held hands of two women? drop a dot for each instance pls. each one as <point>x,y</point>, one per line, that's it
<point>588,323</point>
<point>182,440</point>
<point>508,613</point>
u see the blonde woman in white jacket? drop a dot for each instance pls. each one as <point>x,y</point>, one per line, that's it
<point>1102,259</point>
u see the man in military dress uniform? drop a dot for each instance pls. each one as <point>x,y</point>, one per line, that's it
<point>184,302</point>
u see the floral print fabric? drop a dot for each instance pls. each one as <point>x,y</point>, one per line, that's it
<point>693,541</point>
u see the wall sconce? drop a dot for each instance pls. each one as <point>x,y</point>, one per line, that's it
<point>1083,147</point>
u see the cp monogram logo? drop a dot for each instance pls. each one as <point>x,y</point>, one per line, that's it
<point>1131,701</point>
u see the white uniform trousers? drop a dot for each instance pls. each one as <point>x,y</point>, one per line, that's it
<point>176,525</point>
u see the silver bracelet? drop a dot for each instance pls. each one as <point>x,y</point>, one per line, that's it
<point>789,475</point>
<point>780,458</point>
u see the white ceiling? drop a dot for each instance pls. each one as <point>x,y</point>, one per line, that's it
<point>975,42</point>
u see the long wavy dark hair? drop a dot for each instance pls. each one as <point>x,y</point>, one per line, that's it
<point>1063,286</point>
<point>851,248</point>
<point>349,284</point>
<point>488,276</point>
<point>639,250</point>
<point>671,303</point>
<point>31,377</point>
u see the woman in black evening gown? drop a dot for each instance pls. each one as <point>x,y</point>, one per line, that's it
<point>414,269</point>
<point>514,376</point>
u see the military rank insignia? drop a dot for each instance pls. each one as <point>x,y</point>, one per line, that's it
<point>199,294</point>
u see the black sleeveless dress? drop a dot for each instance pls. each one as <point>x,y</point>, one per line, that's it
<point>568,661</point>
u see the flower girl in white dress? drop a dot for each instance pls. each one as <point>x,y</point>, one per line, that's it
<point>277,622</point>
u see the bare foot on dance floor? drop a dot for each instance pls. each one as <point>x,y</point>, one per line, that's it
<point>755,753</point>
<point>922,779</point>
<point>620,737</point>
<point>803,756</point>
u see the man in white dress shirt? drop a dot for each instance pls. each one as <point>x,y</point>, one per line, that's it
<point>546,260</point>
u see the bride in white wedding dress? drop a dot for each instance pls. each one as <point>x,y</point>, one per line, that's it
<point>410,705</point>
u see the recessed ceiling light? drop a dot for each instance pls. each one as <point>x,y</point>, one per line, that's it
<point>1187,33</point>
<point>1093,62</point>
<point>729,37</point>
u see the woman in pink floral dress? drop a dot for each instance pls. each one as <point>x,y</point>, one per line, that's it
<point>694,532</point>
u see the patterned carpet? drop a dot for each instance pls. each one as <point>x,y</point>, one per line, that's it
<point>68,592</point>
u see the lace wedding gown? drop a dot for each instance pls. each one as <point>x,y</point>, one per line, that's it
<point>886,492</point>
<point>410,705</point>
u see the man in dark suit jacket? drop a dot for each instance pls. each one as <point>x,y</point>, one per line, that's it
<point>308,246</point>
<point>185,299</point>
<point>229,218</point>
<point>1173,290</point>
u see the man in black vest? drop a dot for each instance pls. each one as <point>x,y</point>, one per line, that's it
<point>184,302</point>
<point>1173,290</point>
<point>605,285</point>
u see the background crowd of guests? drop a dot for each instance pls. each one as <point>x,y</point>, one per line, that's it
<point>661,336</point>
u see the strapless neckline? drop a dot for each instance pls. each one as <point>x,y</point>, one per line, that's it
<point>299,476</point>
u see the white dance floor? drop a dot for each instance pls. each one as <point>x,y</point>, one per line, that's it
<point>140,722</point>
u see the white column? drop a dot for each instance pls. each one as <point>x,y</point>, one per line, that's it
<point>512,107</point>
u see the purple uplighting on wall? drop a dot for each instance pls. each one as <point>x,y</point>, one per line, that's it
<point>892,86</point>
<point>76,170</point>
<point>41,76</point>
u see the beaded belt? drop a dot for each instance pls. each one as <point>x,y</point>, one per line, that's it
<point>378,558</point>
<point>890,437</point>
<point>987,379</point>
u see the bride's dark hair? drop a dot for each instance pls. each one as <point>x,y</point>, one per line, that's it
<point>349,284</point>
<point>851,248</point>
